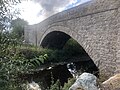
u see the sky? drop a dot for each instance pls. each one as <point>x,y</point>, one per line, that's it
<point>34,11</point>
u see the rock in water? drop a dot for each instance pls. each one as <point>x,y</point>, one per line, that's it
<point>113,83</point>
<point>85,81</point>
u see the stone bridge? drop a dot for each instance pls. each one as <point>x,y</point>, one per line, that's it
<point>95,25</point>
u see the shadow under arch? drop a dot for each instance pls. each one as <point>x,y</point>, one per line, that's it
<point>55,40</point>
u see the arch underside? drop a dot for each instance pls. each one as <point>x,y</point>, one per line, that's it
<point>55,40</point>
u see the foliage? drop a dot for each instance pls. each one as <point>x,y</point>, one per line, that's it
<point>17,26</point>
<point>17,59</point>
<point>5,12</point>
<point>6,44</point>
<point>9,71</point>
<point>18,22</point>
<point>72,48</point>
<point>36,62</point>
<point>40,56</point>
<point>68,84</point>
<point>56,86</point>
<point>11,64</point>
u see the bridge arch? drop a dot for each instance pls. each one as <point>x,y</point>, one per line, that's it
<point>69,33</point>
<point>54,32</point>
<point>57,36</point>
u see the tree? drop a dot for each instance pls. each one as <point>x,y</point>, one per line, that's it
<point>5,12</point>
<point>18,27</point>
<point>18,22</point>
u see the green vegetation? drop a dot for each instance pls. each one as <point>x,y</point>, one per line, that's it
<point>17,26</point>
<point>7,12</point>
<point>11,64</point>
<point>17,58</point>
<point>68,84</point>
<point>57,86</point>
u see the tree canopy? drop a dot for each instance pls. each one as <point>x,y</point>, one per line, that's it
<point>5,12</point>
<point>18,22</point>
<point>17,26</point>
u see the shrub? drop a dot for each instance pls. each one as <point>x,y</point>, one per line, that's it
<point>16,59</point>
<point>72,48</point>
<point>68,84</point>
<point>56,86</point>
